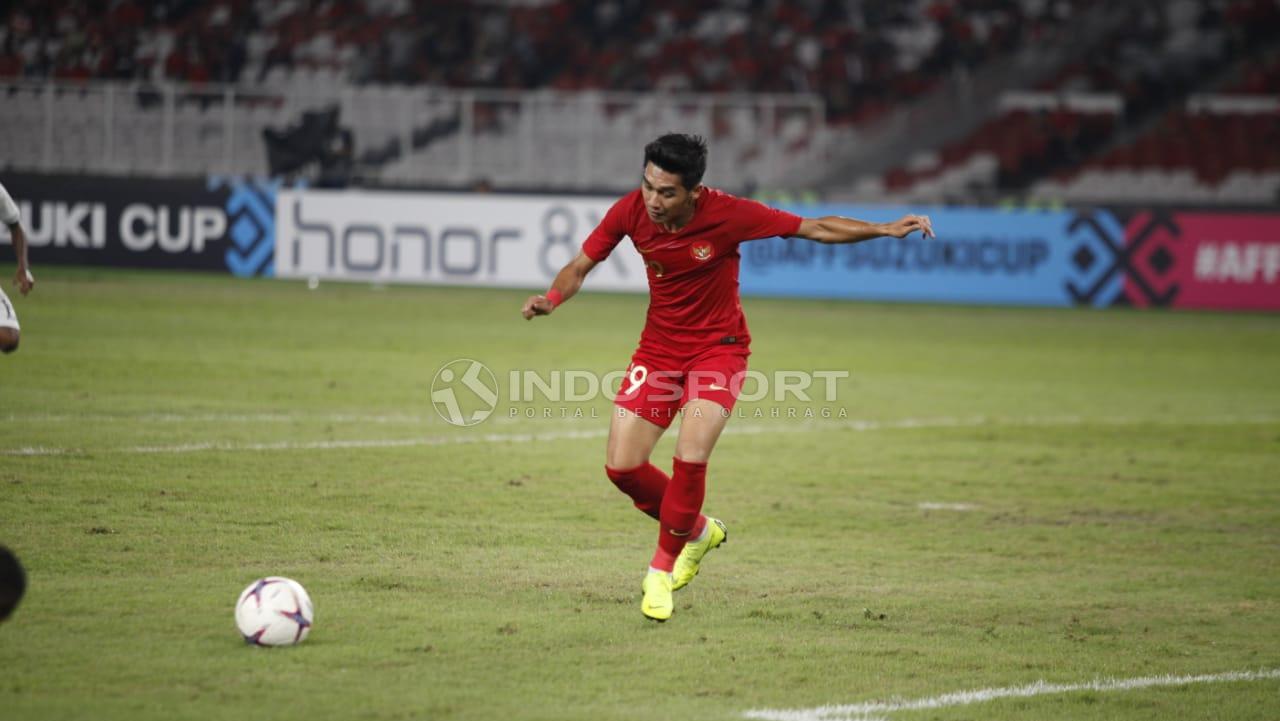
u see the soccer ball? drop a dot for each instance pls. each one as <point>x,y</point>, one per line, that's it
<point>274,611</point>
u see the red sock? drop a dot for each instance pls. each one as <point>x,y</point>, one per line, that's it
<point>645,484</point>
<point>681,511</point>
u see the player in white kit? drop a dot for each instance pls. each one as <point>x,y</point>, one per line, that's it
<point>9,331</point>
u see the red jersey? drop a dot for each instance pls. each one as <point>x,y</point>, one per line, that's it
<point>693,272</point>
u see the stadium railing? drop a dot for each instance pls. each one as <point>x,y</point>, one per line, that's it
<point>404,135</point>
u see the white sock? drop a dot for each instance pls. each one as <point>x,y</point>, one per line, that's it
<point>658,570</point>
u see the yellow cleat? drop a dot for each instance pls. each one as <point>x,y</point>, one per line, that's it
<point>687,564</point>
<point>657,603</point>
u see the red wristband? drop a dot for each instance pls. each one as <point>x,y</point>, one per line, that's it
<point>555,297</point>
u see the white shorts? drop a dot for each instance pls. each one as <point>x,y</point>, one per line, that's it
<point>8,316</point>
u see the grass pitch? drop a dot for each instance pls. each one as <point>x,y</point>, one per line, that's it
<point>1011,495</point>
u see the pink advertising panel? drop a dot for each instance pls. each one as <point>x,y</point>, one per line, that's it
<point>1205,260</point>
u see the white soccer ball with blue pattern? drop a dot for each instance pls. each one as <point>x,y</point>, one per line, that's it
<point>274,611</point>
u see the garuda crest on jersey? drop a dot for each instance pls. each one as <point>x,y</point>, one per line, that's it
<point>701,251</point>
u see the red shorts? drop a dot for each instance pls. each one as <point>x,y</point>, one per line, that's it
<point>657,386</point>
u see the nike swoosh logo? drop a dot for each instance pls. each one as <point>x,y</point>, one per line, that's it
<point>715,387</point>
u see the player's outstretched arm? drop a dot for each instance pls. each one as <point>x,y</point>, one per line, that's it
<point>23,278</point>
<point>567,283</point>
<point>838,229</point>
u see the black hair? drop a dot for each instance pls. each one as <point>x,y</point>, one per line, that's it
<point>681,154</point>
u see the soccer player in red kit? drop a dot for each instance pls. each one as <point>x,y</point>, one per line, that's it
<point>693,350</point>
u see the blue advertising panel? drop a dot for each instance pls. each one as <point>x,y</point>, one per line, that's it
<point>979,256</point>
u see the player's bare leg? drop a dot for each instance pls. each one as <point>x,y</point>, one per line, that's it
<point>701,424</point>
<point>631,439</point>
<point>9,340</point>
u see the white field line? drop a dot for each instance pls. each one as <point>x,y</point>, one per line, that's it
<point>463,437</point>
<point>458,439</point>
<point>876,710</point>
<point>935,506</point>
